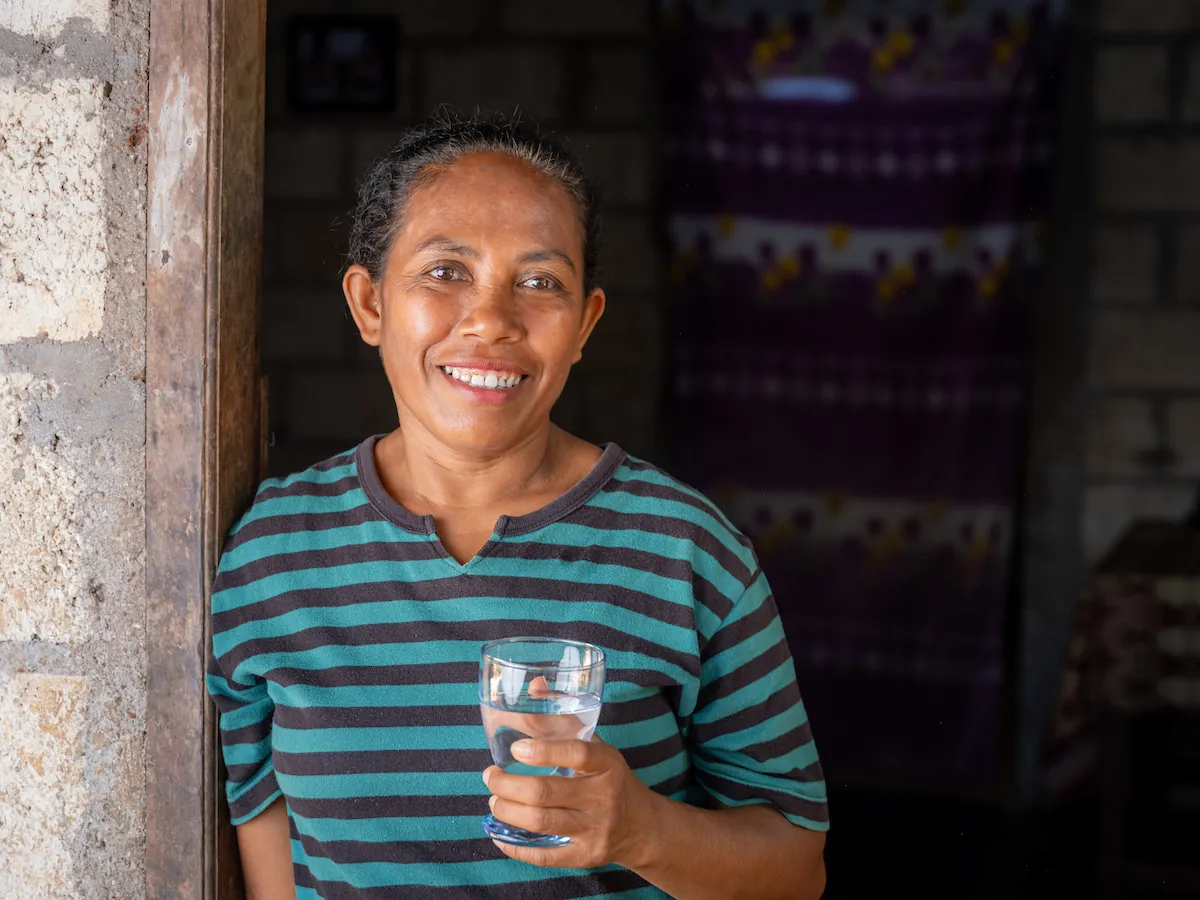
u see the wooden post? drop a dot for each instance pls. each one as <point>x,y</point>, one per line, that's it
<point>204,239</point>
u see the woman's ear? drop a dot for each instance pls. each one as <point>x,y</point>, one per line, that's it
<point>364,297</point>
<point>593,309</point>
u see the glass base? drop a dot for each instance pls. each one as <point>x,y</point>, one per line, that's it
<point>511,834</point>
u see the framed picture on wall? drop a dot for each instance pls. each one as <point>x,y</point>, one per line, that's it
<point>342,63</point>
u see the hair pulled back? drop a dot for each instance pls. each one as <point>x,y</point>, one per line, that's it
<point>427,150</point>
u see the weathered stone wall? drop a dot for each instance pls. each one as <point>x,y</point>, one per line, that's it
<point>583,69</point>
<point>72,423</point>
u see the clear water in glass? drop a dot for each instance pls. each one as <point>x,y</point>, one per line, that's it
<point>537,688</point>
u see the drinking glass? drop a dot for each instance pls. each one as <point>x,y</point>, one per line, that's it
<point>532,687</point>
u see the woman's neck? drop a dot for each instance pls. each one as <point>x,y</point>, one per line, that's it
<point>427,477</point>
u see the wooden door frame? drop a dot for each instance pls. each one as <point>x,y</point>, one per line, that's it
<point>204,451</point>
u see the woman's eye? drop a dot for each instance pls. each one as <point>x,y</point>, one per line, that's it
<point>443,273</point>
<point>539,283</point>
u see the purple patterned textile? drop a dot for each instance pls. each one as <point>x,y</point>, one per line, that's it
<point>855,198</point>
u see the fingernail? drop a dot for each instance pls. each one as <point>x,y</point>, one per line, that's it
<point>520,749</point>
<point>492,803</point>
<point>487,773</point>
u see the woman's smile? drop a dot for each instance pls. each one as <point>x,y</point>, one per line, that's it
<point>484,384</point>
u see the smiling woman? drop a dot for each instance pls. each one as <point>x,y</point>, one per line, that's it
<point>352,598</point>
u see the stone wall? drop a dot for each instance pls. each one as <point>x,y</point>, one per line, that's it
<point>72,424</point>
<point>583,69</point>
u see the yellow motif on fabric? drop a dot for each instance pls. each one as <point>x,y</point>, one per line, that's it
<point>1003,52</point>
<point>789,267</point>
<point>771,281</point>
<point>839,235</point>
<point>884,548</point>
<point>901,42</point>
<point>938,510</point>
<point>777,538</point>
<point>726,225</point>
<point>952,237</point>
<point>1020,31</point>
<point>883,59</point>
<point>835,502</point>
<point>684,263</point>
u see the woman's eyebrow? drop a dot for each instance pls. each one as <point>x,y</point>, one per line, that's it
<point>546,256</point>
<point>446,245</point>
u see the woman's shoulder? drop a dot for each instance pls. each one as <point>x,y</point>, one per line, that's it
<point>281,504</point>
<point>641,488</point>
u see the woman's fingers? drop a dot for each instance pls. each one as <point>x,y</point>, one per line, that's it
<point>569,822</point>
<point>535,790</point>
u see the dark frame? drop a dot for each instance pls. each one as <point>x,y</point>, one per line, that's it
<point>381,37</point>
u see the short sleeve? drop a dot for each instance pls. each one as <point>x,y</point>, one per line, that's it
<point>750,736</point>
<point>245,730</point>
<point>247,714</point>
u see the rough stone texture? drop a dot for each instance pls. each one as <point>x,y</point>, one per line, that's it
<point>43,793</point>
<point>1183,427</point>
<point>1120,431</point>
<point>52,237</point>
<point>1144,16</point>
<point>1131,84</point>
<point>1149,175</point>
<point>43,18</point>
<point>1187,277</point>
<point>42,562</point>
<point>1124,264</point>
<point>1109,509</point>
<point>72,427</point>
<point>1146,350</point>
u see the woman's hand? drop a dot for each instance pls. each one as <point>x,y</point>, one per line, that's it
<point>603,808</point>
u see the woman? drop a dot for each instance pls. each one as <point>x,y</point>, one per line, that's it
<point>353,598</point>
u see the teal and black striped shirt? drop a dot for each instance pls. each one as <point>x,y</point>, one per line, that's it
<point>346,659</point>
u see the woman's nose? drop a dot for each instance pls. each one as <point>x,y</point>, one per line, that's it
<point>491,315</point>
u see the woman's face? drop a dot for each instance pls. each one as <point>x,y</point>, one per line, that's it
<point>480,312</point>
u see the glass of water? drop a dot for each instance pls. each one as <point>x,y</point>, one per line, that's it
<point>533,687</point>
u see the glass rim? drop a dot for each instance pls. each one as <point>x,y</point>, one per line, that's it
<point>484,651</point>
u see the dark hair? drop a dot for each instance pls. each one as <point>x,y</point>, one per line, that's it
<point>426,150</point>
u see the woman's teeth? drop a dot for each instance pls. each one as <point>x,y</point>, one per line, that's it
<point>476,378</point>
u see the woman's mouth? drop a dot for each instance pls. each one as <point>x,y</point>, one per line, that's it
<point>487,379</point>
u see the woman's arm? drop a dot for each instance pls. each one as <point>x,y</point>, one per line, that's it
<point>745,851</point>
<point>611,817</point>
<point>265,845</point>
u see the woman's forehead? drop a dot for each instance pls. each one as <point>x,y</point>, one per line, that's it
<point>497,196</point>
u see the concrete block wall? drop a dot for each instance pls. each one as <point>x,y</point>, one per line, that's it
<point>73,96</point>
<point>584,70</point>
<point>1116,360</point>
<point>1143,360</point>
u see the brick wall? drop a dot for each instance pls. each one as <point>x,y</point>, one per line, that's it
<point>581,68</point>
<point>1143,367</point>
<point>72,460</point>
<point>1114,430</point>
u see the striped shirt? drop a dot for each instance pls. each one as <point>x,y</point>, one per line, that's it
<point>346,645</point>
